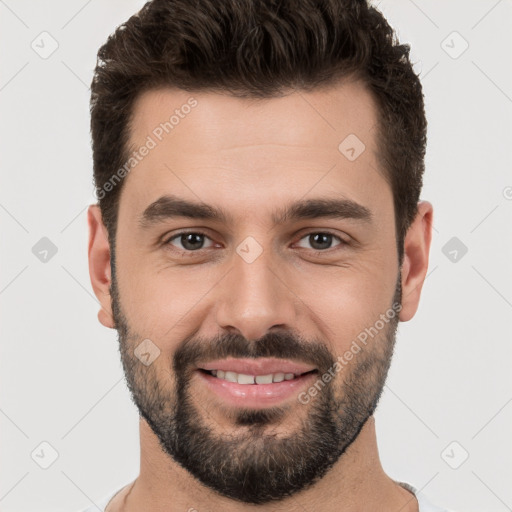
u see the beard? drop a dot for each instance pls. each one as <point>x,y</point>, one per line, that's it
<point>252,463</point>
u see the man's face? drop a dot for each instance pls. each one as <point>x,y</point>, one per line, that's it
<point>257,286</point>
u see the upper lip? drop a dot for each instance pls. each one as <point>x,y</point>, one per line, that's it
<point>259,366</point>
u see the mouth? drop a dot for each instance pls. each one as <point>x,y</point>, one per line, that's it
<point>248,379</point>
<point>256,383</point>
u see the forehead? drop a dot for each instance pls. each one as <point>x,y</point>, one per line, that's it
<point>321,117</point>
<point>207,145</point>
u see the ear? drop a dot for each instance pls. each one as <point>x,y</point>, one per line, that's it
<point>415,263</point>
<point>99,264</point>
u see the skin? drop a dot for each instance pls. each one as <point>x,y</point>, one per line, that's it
<point>249,157</point>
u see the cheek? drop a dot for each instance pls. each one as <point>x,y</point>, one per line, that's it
<point>163,303</point>
<point>347,308</point>
<point>344,301</point>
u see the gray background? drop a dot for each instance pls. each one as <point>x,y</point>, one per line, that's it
<point>449,392</point>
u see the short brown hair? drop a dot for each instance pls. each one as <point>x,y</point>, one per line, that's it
<point>258,49</point>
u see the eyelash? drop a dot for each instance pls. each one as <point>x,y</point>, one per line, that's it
<point>198,251</point>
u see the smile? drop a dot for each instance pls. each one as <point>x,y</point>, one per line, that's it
<point>257,382</point>
<point>242,378</point>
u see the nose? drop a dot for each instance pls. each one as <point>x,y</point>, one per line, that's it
<point>254,298</point>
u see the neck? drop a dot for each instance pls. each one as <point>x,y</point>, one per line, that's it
<point>356,482</point>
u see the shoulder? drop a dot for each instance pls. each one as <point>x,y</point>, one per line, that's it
<point>425,505</point>
<point>101,505</point>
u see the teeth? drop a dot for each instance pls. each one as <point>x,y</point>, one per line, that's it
<point>242,378</point>
<point>245,379</point>
<point>231,376</point>
<point>263,379</point>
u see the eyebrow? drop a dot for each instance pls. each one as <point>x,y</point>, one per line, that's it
<point>170,207</point>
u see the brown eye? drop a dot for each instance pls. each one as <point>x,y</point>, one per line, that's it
<point>190,241</point>
<point>321,241</point>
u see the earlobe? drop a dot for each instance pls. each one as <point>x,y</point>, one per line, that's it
<point>99,264</point>
<point>105,318</point>
<point>416,257</point>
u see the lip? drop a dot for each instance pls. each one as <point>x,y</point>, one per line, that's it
<point>259,366</point>
<point>256,396</point>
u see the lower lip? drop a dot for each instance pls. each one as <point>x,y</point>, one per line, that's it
<point>256,395</point>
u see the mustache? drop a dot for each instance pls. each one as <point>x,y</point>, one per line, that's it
<point>281,345</point>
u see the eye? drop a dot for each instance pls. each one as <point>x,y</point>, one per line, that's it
<point>320,240</point>
<point>194,241</point>
<point>190,241</point>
